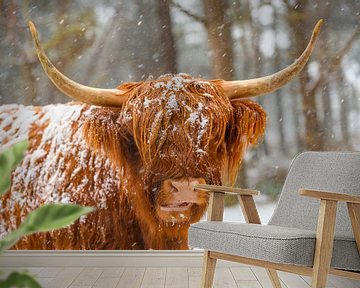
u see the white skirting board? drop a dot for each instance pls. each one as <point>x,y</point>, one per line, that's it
<point>149,258</point>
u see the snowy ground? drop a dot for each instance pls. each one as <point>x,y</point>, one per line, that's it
<point>265,209</point>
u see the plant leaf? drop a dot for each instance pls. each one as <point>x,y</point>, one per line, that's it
<point>9,159</point>
<point>19,279</point>
<point>53,216</point>
<point>10,239</point>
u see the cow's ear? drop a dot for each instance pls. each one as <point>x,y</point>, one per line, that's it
<point>245,128</point>
<point>102,133</point>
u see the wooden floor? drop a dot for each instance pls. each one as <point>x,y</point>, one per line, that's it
<point>171,277</point>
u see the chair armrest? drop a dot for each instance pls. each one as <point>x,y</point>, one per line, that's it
<point>325,195</point>
<point>328,210</point>
<point>216,202</point>
<point>227,190</point>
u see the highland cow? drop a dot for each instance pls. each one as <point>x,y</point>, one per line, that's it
<point>134,153</point>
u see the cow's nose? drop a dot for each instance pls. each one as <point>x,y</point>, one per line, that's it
<point>185,188</point>
<point>186,184</point>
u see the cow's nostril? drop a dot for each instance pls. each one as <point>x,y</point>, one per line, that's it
<point>173,188</point>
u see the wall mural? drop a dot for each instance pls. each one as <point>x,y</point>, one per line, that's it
<point>134,153</point>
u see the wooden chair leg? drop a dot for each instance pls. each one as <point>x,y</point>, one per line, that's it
<point>251,215</point>
<point>208,270</point>
<point>274,278</point>
<point>354,212</point>
<point>324,243</point>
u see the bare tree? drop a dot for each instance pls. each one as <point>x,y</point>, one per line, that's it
<point>157,53</point>
<point>298,23</point>
<point>167,42</point>
<point>318,133</point>
<point>219,38</point>
<point>23,62</point>
<point>345,111</point>
<point>279,102</point>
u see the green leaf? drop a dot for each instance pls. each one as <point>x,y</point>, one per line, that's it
<point>9,159</point>
<point>11,238</point>
<point>19,279</point>
<point>53,216</point>
<point>45,218</point>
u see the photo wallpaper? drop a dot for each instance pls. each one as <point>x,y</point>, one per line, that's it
<point>122,107</point>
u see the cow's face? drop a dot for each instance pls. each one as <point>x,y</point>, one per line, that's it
<point>181,128</point>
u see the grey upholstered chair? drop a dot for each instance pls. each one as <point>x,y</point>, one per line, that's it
<point>300,236</point>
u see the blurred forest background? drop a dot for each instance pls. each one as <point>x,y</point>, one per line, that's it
<point>104,43</point>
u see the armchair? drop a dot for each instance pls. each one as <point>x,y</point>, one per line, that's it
<point>312,232</point>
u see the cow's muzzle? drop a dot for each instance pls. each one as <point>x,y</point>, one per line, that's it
<point>180,198</point>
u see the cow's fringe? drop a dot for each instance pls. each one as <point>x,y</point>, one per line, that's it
<point>162,128</point>
<point>160,132</point>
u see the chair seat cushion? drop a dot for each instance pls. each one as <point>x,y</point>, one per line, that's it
<point>270,243</point>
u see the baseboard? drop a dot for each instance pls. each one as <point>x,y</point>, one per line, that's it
<point>35,258</point>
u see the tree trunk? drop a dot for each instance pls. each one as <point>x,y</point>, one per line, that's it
<point>258,71</point>
<point>153,27</point>
<point>325,82</point>
<point>26,67</point>
<point>325,94</point>
<point>219,39</point>
<point>145,59</point>
<point>296,110</point>
<point>313,134</point>
<point>344,110</point>
<point>279,104</point>
<point>168,48</point>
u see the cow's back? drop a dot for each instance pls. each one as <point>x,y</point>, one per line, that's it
<point>59,167</point>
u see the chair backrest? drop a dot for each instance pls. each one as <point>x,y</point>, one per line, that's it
<point>327,171</point>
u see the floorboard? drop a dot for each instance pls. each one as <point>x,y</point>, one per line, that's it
<point>106,282</point>
<point>194,277</point>
<point>65,278</point>
<point>263,278</point>
<point>132,277</point>
<point>87,277</point>
<point>243,274</point>
<point>224,278</point>
<point>308,280</point>
<point>154,278</point>
<point>170,277</point>
<point>177,277</point>
<point>293,280</point>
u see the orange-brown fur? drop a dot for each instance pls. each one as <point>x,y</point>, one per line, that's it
<point>175,127</point>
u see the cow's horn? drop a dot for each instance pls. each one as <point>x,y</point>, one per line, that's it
<point>268,84</point>
<point>76,91</point>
